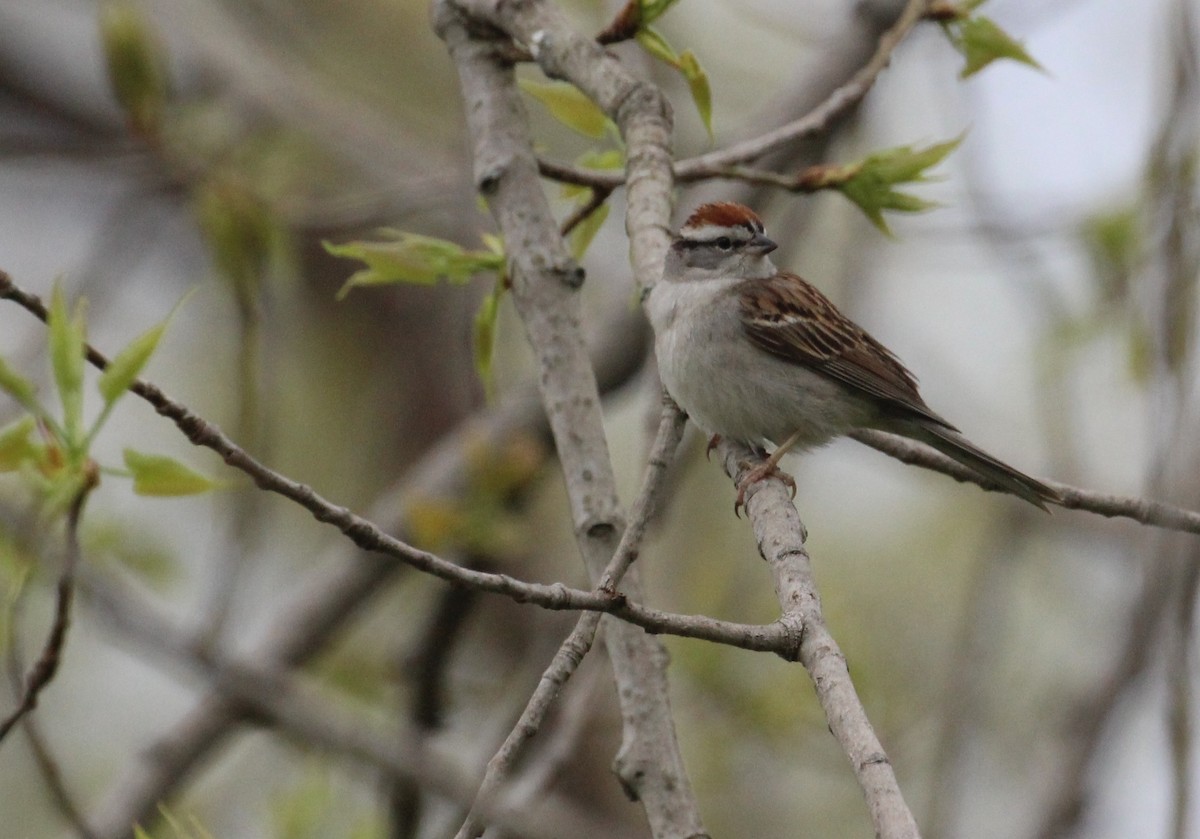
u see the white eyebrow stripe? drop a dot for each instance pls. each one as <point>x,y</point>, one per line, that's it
<point>711,232</point>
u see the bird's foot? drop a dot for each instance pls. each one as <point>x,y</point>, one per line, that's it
<point>762,472</point>
<point>713,442</point>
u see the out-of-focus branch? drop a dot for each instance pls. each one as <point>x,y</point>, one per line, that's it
<point>297,708</point>
<point>47,663</point>
<point>56,786</point>
<point>781,536</point>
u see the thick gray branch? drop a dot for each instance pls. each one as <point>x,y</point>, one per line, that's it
<point>545,285</point>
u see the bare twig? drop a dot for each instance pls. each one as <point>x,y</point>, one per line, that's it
<point>1154,513</point>
<point>595,202</point>
<point>570,654</point>
<point>369,537</point>
<point>38,745</point>
<point>47,664</point>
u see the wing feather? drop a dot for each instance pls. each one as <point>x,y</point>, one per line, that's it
<point>790,319</point>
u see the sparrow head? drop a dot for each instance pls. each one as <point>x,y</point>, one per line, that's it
<point>720,240</point>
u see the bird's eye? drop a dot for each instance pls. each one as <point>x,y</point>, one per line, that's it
<point>725,243</point>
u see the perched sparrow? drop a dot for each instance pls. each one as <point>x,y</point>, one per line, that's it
<point>753,354</point>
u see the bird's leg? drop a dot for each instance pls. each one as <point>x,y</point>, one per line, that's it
<point>769,468</point>
<point>713,442</point>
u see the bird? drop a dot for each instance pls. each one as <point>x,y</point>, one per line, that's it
<point>756,354</point>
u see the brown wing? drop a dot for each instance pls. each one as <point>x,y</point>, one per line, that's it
<point>791,320</point>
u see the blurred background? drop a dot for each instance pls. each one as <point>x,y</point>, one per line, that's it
<point>1030,675</point>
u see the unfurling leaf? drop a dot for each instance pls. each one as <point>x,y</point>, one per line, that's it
<point>869,183</point>
<point>485,333</point>
<point>128,363</point>
<point>240,231</point>
<point>18,387</point>
<point>67,337</point>
<point>136,65</point>
<point>697,81</point>
<point>687,64</point>
<point>567,104</point>
<point>164,476</point>
<point>653,42</point>
<point>980,40</point>
<point>412,258</point>
<point>652,10</point>
<point>983,42</point>
<point>15,446</point>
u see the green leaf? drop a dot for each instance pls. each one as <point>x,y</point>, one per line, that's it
<point>869,183</point>
<point>412,258</point>
<point>698,84</point>
<point>981,42</point>
<point>1115,247</point>
<point>906,164</point>
<point>567,104</point>
<point>123,369</point>
<point>583,233</point>
<point>18,387</point>
<point>164,476</point>
<point>485,333</point>
<point>240,231</point>
<point>136,65</point>
<point>67,336</point>
<point>654,9</point>
<point>688,66</point>
<point>653,42</point>
<point>15,446</point>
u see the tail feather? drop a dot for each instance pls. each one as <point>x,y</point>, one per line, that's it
<point>957,447</point>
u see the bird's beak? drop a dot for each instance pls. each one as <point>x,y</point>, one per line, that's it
<point>760,245</point>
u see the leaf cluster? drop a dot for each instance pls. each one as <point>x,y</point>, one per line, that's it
<point>52,449</point>
<point>871,183</point>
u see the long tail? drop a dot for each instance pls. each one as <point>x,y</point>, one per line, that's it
<point>957,447</point>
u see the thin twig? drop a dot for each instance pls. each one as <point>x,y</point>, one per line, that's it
<point>47,664</point>
<point>38,745</point>
<point>369,537</point>
<point>345,580</point>
<point>717,164</point>
<point>1153,513</point>
<point>595,202</point>
<point>576,645</point>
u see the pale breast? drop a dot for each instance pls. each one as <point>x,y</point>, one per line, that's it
<point>730,387</point>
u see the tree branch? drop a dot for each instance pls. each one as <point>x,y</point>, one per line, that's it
<point>576,645</point>
<point>47,664</point>
<point>722,163</point>
<point>295,706</point>
<point>545,285</point>
<point>1153,513</point>
<point>781,536</point>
